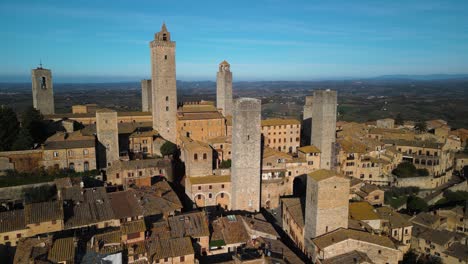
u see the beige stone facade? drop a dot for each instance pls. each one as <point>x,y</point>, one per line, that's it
<point>138,172</point>
<point>282,134</point>
<point>214,190</point>
<point>107,136</point>
<point>224,89</point>
<point>163,79</point>
<point>197,156</point>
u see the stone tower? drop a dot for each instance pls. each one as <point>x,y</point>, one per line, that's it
<point>224,89</point>
<point>163,79</point>
<point>324,126</point>
<point>107,136</point>
<point>307,120</point>
<point>43,90</point>
<point>326,205</point>
<point>245,168</point>
<point>146,98</point>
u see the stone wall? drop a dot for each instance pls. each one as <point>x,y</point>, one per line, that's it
<point>43,91</point>
<point>146,96</point>
<point>224,89</point>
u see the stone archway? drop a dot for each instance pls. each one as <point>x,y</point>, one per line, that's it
<point>223,200</point>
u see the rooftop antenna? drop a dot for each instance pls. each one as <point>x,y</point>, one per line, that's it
<point>40,63</point>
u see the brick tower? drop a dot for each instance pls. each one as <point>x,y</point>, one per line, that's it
<point>43,90</point>
<point>224,89</point>
<point>163,78</point>
<point>245,168</point>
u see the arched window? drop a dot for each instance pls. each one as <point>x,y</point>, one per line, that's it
<point>429,162</point>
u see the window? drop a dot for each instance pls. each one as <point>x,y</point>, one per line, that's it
<point>380,251</point>
<point>210,187</point>
<point>310,163</point>
<point>210,195</point>
<point>117,176</point>
<point>165,57</point>
<point>55,154</point>
<point>140,173</point>
<point>54,222</point>
<point>72,166</point>
<point>204,156</point>
<point>199,197</point>
<point>199,188</point>
<point>195,156</point>
<point>43,82</point>
<point>222,186</point>
<point>166,259</point>
<point>85,152</point>
<point>376,197</point>
<point>167,98</point>
<point>86,166</point>
<point>18,235</point>
<point>182,258</point>
<point>222,195</point>
<point>167,108</point>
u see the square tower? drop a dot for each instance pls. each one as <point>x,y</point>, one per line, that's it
<point>146,98</point>
<point>324,126</point>
<point>107,136</point>
<point>163,81</point>
<point>43,90</point>
<point>326,205</point>
<point>224,89</point>
<point>307,120</point>
<point>245,168</point>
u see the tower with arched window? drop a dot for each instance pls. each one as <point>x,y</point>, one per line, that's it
<point>43,90</point>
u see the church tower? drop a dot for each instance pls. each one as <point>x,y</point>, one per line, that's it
<point>224,89</point>
<point>163,81</point>
<point>43,90</point>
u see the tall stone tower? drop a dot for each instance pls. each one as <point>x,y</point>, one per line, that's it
<point>163,79</point>
<point>327,205</point>
<point>324,125</point>
<point>224,89</point>
<point>107,136</point>
<point>307,120</point>
<point>43,90</point>
<point>146,96</point>
<point>245,168</point>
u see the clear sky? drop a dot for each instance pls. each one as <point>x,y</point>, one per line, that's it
<point>101,40</point>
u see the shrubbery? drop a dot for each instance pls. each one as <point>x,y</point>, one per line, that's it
<point>407,169</point>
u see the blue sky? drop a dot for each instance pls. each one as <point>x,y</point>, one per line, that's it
<point>262,39</point>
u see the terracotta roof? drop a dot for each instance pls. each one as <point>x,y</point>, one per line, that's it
<point>148,133</point>
<point>30,248</point>
<point>123,128</point>
<point>108,242</point>
<point>63,249</point>
<point>191,144</point>
<point>457,250</point>
<point>350,257</point>
<point>425,219</point>
<point>91,115</point>
<point>342,234</point>
<point>125,205</point>
<point>224,62</point>
<point>43,212</point>
<point>133,227</point>
<point>323,174</point>
<point>158,199</point>
<point>439,237</point>
<point>270,152</point>
<point>12,221</point>
<point>64,140</point>
<point>139,164</point>
<point>259,223</point>
<point>351,145</point>
<point>309,149</point>
<point>395,219</point>
<point>232,229</point>
<point>368,188</point>
<point>210,179</point>
<point>219,140</point>
<point>189,224</point>
<point>169,248</point>
<point>86,206</point>
<point>62,183</point>
<point>414,143</point>
<point>279,122</point>
<point>362,211</point>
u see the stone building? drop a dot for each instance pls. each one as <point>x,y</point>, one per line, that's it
<point>146,143</point>
<point>326,206</point>
<point>84,109</point>
<point>89,118</point>
<point>107,136</point>
<point>212,190</point>
<point>282,134</point>
<point>307,120</point>
<point>138,172</point>
<point>200,121</point>
<point>163,80</point>
<point>197,156</point>
<point>43,90</point>
<point>224,89</point>
<point>324,125</point>
<point>246,148</point>
<point>73,151</point>
<point>146,96</point>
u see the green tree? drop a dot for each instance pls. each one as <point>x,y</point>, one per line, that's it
<point>23,140</point>
<point>168,148</point>
<point>416,204</point>
<point>9,127</point>
<point>225,164</point>
<point>33,121</point>
<point>399,120</point>
<point>420,126</point>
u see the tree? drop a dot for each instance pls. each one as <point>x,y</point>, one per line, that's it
<point>399,120</point>
<point>420,126</point>
<point>9,127</point>
<point>33,121</point>
<point>23,140</point>
<point>225,164</point>
<point>168,148</point>
<point>416,204</point>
